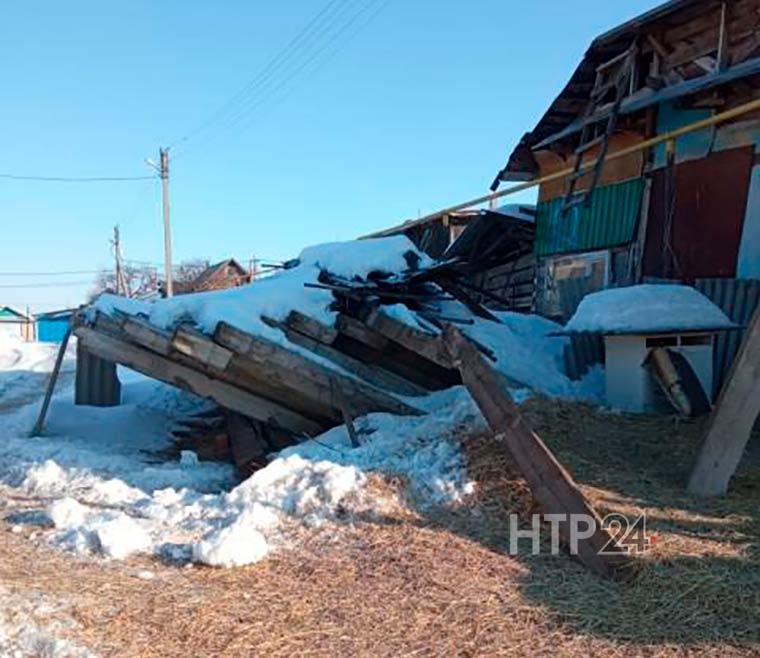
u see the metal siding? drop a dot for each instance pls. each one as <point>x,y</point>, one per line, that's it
<point>710,204</point>
<point>608,221</point>
<point>738,298</point>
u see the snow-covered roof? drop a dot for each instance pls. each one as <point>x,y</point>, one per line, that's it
<point>647,309</point>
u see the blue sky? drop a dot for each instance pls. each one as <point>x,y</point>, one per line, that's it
<point>412,108</point>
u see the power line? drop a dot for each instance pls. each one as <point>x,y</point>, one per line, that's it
<point>61,284</point>
<point>314,57</point>
<point>333,26</point>
<point>279,59</point>
<point>58,273</point>
<point>71,179</point>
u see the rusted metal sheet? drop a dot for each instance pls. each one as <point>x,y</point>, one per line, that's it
<point>738,298</point>
<point>608,221</point>
<point>704,201</point>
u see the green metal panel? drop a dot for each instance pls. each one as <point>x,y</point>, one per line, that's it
<point>609,220</point>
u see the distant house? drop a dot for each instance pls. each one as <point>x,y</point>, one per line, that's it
<point>14,322</point>
<point>52,326</point>
<point>220,276</point>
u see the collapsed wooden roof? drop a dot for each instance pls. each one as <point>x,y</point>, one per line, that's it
<point>687,47</point>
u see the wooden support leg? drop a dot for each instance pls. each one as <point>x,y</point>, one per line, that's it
<point>552,486</point>
<point>40,424</point>
<point>733,418</point>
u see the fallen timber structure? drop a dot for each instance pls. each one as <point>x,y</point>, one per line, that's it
<point>312,376</point>
<point>293,377</point>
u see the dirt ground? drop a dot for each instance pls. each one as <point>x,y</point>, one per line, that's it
<point>441,582</point>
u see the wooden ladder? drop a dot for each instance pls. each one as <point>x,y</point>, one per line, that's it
<point>618,80</point>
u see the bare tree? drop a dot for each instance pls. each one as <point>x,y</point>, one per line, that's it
<point>140,280</point>
<point>143,279</point>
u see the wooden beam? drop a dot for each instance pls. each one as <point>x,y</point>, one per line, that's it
<point>721,59</point>
<point>732,420</point>
<point>357,330</point>
<point>370,373</point>
<point>196,345</point>
<point>552,486</point>
<point>416,340</point>
<point>311,327</point>
<point>296,371</point>
<point>200,353</point>
<point>143,333</point>
<point>159,367</point>
<point>40,424</point>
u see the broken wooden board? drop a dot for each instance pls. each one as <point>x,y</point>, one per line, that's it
<point>311,327</point>
<point>552,486</point>
<point>295,371</point>
<point>732,421</point>
<point>176,374</point>
<point>416,340</point>
<point>205,356</point>
<point>196,345</point>
<point>372,374</point>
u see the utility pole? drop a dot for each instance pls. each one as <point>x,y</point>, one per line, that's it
<point>164,173</point>
<point>121,283</point>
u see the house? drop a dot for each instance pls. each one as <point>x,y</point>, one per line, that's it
<point>53,325</point>
<point>686,209</point>
<point>16,323</point>
<point>220,276</point>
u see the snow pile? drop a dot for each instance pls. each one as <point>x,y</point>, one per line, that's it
<point>103,494</point>
<point>647,309</point>
<point>526,353</point>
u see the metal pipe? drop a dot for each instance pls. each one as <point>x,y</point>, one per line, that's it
<point>647,143</point>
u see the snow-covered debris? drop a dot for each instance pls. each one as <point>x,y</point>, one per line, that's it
<point>277,295</point>
<point>647,308</point>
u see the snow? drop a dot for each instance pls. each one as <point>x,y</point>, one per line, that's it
<point>647,309</point>
<point>527,354</point>
<point>103,492</point>
<point>276,295</point>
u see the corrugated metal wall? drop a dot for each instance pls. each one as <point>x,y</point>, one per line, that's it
<point>738,298</point>
<point>608,221</point>
<point>97,383</point>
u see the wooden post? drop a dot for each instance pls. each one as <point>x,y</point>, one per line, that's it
<point>731,424</point>
<point>40,424</point>
<point>552,486</point>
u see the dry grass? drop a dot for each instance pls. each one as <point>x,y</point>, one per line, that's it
<point>440,583</point>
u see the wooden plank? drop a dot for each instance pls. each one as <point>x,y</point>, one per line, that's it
<point>416,340</point>
<point>159,367</point>
<point>196,345</point>
<point>732,420</point>
<point>239,374</point>
<point>370,373</point>
<point>311,327</point>
<point>552,486</point>
<point>143,333</point>
<point>296,371</point>
<point>357,330</point>
<point>40,424</point>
